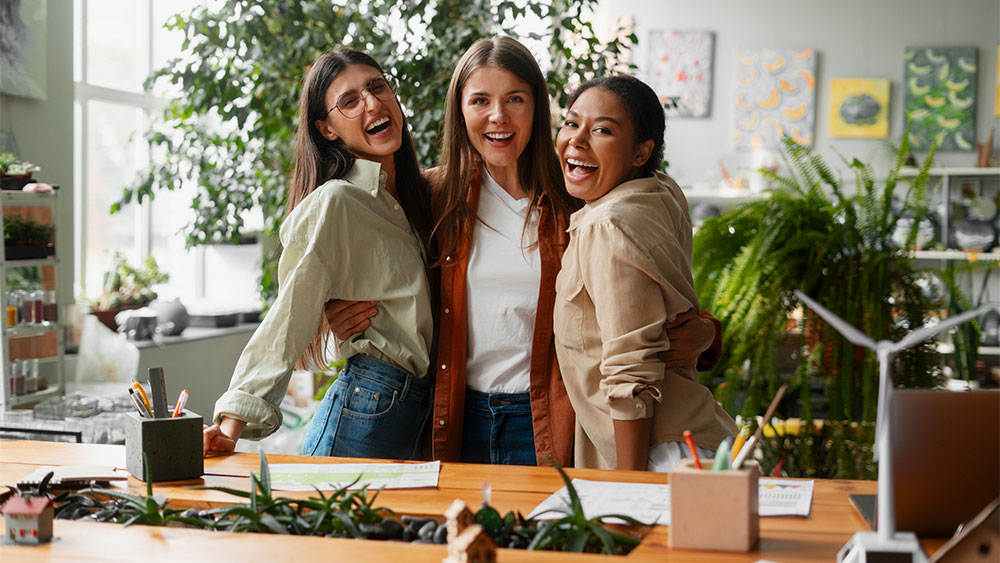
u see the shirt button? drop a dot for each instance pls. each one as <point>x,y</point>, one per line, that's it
<point>444,366</point>
<point>441,422</point>
<point>447,310</point>
<point>447,258</point>
<point>396,207</point>
<point>638,405</point>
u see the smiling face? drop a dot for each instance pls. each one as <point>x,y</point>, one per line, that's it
<point>497,107</point>
<point>597,147</point>
<point>377,133</point>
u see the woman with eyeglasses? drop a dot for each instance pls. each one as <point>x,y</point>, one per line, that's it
<point>357,228</point>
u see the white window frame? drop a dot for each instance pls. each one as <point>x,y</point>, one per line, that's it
<point>144,100</point>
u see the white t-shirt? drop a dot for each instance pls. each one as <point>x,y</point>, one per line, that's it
<point>502,290</point>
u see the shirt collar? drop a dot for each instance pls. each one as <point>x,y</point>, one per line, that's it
<point>638,185</point>
<point>367,175</point>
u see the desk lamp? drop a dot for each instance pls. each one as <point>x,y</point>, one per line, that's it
<point>886,544</point>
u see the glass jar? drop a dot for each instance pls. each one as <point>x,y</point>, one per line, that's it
<point>11,309</point>
<point>30,369</point>
<point>19,297</point>
<point>37,299</point>
<point>50,309</point>
<point>16,378</point>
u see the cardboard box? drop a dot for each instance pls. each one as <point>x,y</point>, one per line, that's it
<point>173,447</point>
<point>714,510</point>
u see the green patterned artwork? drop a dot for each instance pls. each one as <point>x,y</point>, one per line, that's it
<point>940,85</point>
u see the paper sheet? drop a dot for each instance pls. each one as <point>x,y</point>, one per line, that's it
<point>651,503</point>
<point>331,476</point>
<point>784,497</point>
<point>646,503</point>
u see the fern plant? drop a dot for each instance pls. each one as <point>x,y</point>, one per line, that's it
<point>811,235</point>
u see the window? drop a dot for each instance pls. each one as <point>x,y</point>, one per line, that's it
<point>118,44</point>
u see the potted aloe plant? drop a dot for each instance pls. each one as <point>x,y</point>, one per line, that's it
<point>127,287</point>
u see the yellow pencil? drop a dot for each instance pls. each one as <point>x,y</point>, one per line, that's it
<point>741,437</point>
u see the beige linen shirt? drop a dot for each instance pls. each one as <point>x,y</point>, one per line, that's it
<point>348,239</point>
<point>625,276</point>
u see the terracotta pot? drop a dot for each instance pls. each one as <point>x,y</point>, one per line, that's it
<point>107,316</point>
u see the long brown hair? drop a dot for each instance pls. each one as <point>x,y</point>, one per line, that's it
<point>537,167</point>
<point>317,160</point>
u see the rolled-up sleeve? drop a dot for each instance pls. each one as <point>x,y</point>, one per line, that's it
<point>633,303</point>
<point>262,373</point>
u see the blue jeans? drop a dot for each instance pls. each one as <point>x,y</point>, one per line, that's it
<point>498,429</point>
<point>373,409</point>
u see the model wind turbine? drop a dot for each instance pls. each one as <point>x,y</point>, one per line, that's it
<point>886,543</point>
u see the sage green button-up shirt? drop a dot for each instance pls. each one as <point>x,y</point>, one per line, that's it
<point>349,239</point>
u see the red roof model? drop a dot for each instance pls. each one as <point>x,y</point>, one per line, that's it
<point>26,505</point>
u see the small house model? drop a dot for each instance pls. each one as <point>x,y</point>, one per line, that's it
<point>473,545</point>
<point>459,518</point>
<point>29,519</point>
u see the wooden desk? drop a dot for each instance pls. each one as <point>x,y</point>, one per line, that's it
<point>816,538</point>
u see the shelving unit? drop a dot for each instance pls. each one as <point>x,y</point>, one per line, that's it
<point>947,175</point>
<point>55,388</point>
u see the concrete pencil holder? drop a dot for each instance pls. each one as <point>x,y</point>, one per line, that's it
<point>173,447</point>
<point>714,510</point>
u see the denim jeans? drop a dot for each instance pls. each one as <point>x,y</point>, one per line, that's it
<point>498,429</point>
<point>373,409</point>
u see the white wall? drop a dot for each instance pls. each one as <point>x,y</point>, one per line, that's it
<point>854,38</point>
<point>44,132</point>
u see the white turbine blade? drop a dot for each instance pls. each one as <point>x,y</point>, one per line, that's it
<point>926,332</point>
<point>846,329</point>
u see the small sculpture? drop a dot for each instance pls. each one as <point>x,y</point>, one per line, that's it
<point>29,519</point>
<point>468,542</point>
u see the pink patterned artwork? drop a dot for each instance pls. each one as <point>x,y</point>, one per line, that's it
<point>775,91</point>
<point>680,71</point>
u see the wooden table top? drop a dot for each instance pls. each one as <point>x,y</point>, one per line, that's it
<point>818,537</point>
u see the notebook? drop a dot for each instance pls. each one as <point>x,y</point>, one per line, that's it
<point>70,476</point>
<point>946,459</point>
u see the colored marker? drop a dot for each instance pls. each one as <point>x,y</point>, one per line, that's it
<point>181,401</point>
<point>142,396</point>
<point>723,455</point>
<point>137,402</point>
<point>689,440</point>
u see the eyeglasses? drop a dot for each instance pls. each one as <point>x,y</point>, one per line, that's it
<point>351,104</point>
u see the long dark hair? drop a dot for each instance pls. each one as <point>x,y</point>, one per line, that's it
<point>643,108</point>
<point>537,167</point>
<point>317,160</point>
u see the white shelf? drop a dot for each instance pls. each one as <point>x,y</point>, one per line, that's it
<point>31,262</point>
<point>16,198</point>
<point>729,195</point>
<point>944,348</point>
<point>23,330</point>
<point>910,171</point>
<point>960,255</point>
<point>35,397</point>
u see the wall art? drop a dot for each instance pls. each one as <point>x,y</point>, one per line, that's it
<point>775,95</point>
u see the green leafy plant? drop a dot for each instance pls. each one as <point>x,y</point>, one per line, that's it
<point>809,234</point>
<point>231,130</point>
<point>125,285</point>
<point>17,229</point>
<point>11,166</point>
<point>575,532</point>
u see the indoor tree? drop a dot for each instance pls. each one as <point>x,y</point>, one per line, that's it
<point>230,130</point>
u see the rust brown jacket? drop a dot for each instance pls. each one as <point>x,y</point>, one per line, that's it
<point>552,416</point>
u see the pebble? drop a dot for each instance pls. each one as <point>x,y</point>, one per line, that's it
<point>427,530</point>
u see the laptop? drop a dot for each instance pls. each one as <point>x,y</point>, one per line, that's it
<point>946,459</point>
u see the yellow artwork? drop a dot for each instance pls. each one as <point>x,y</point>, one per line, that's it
<point>997,104</point>
<point>859,107</point>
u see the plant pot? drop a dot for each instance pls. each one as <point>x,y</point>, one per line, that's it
<point>107,316</point>
<point>14,182</point>
<point>27,251</point>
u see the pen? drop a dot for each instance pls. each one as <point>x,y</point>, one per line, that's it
<point>181,401</point>
<point>722,455</point>
<point>142,396</point>
<point>765,421</point>
<point>741,437</point>
<point>138,403</point>
<point>689,440</point>
<point>738,462</point>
